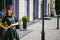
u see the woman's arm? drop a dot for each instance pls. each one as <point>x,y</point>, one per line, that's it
<point>1,25</point>
<point>13,25</point>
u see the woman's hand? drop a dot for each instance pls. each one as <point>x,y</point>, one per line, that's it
<point>6,28</point>
<point>10,26</point>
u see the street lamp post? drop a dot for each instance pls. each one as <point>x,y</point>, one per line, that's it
<point>57,8</point>
<point>57,22</point>
<point>43,32</point>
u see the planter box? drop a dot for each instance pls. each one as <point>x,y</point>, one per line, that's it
<point>24,25</point>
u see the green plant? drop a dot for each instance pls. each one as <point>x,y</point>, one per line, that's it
<point>25,18</point>
<point>0,20</point>
<point>5,24</point>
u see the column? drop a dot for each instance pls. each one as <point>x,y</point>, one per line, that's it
<point>39,9</point>
<point>21,8</point>
<point>31,10</point>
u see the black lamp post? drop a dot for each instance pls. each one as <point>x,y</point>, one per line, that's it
<point>57,8</point>
<point>43,32</point>
<point>57,22</point>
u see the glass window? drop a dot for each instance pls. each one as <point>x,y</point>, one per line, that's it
<point>3,6</point>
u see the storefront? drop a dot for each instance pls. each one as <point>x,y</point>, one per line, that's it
<point>5,3</point>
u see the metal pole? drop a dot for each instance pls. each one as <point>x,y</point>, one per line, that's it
<point>43,32</point>
<point>57,22</point>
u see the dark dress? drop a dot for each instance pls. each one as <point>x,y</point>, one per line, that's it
<point>0,33</point>
<point>11,32</point>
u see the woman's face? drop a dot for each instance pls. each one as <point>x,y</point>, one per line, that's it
<point>10,12</point>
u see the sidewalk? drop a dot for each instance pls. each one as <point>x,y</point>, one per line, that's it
<point>51,33</point>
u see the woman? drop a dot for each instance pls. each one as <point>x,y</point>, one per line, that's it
<point>10,30</point>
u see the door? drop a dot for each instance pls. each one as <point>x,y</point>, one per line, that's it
<point>16,7</point>
<point>35,9</point>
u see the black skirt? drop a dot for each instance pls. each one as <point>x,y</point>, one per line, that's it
<point>0,33</point>
<point>10,34</point>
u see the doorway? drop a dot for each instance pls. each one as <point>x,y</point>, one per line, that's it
<point>35,9</point>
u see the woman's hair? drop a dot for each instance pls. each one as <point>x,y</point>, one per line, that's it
<point>10,7</point>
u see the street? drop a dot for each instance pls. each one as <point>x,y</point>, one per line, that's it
<point>51,33</point>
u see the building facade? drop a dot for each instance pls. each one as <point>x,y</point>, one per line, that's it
<point>30,8</point>
<point>33,8</point>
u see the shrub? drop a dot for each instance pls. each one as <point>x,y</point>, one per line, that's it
<point>25,18</point>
